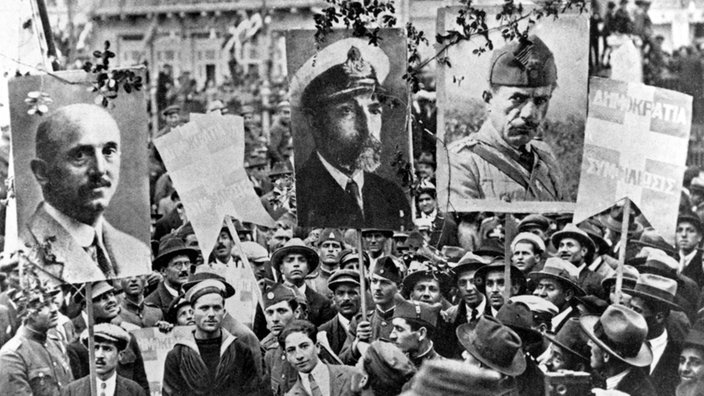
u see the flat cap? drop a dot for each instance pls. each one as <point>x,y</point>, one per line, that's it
<point>108,332</point>
<point>524,63</point>
<point>343,276</point>
<point>203,283</point>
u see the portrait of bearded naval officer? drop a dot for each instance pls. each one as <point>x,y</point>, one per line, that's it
<point>77,166</point>
<point>342,104</point>
<point>506,160</point>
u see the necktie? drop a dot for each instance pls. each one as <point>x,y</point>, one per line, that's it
<point>97,254</point>
<point>314,388</point>
<point>475,313</point>
<point>352,189</point>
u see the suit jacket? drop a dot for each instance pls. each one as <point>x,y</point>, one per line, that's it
<point>340,382</point>
<point>665,377</point>
<point>64,258</point>
<point>636,382</point>
<point>320,309</point>
<point>335,333</point>
<point>160,298</point>
<point>321,200</point>
<point>694,269</point>
<point>123,386</point>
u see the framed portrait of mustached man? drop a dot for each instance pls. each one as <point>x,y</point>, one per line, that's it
<point>349,121</point>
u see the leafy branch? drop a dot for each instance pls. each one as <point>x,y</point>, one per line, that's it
<point>108,82</point>
<point>367,17</point>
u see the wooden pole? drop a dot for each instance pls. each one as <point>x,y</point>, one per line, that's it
<point>509,233</point>
<point>362,278</point>
<point>91,342</point>
<point>245,259</point>
<point>622,249</point>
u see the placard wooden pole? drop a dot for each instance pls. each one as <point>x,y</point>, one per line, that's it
<point>622,249</point>
<point>362,278</point>
<point>509,233</point>
<point>245,259</point>
<point>91,343</point>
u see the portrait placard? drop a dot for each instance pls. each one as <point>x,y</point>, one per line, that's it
<point>349,121</point>
<point>511,120</point>
<point>81,178</point>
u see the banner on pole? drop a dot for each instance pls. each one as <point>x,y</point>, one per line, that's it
<point>154,346</point>
<point>635,147</point>
<point>205,159</point>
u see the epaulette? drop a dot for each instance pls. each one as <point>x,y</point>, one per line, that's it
<point>13,344</point>
<point>460,144</point>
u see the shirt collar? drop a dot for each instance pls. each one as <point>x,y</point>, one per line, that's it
<point>612,382</point>
<point>343,321</point>
<point>341,178</point>
<point>133,306</point>
<point>111,384</point>
<point>559,318</point>
<point>170,289</point>
<point>688,258</point>
<point>432,215</point>
<point>321,374</point>
<point>81,232</point>
<point>657,345</point>
<point>480,309</point>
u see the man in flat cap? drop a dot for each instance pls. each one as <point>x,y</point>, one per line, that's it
<point>504,160</point>
<point>211,361</point>
<point>109,341</point>
<point>172,118</point>
<point>339,96</point>
<point>346,294</point>
<point>414,329</point>
<point>77,166</point>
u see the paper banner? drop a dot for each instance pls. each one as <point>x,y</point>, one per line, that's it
<point>205,159</point>
<point>154,346</point>
<point>635,146</point>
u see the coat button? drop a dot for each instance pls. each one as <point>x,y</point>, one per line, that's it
<point>383,323</point>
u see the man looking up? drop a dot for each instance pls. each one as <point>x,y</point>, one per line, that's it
<point>218,363</point>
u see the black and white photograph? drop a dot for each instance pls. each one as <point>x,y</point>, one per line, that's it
<point>512,119</point>
<point>80,174</point>
<point>349,127</point>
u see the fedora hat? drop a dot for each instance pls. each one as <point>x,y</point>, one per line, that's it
<point>445,377</point>
<point>295,245</point>
<point>595,233</point>
<point>693,219</point>
<point>572,339</point>
<point>660,263</point>
<point>498,264</point>
<point>519,318</point>
<point>490,248</point>
<point>576,233</point>
<point>695,338</point>
<point>651,238</point>
<point>614,219</point>
<point>445,279</point>
<point>170,247</point>
<point>469,262</point>
<point>630,277</point>
<point>494,344</point>
<point>621,332</point>
<point>656,288</point>
<point>562,270</point>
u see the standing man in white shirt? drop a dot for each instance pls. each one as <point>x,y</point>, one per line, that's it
<point>110,340</point>
<point>653,297</point>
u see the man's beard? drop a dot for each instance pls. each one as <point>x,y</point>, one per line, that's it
<point>352,156</point>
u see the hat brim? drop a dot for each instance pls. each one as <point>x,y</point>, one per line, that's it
<point>229,289</point>
<point>666,249</point>
<point>310,254</point>
<point>515,272</point>
<point>553,338</point>
<point>517,366</point>
<point>642,359</point>
<point>386,233</point>
<point>659,300</point>
<point>581,238</point>
<point>538,275</point>
<point>163,259</point>
<point>611,224</point>
<point>474,266</point>
<point>444,280</point>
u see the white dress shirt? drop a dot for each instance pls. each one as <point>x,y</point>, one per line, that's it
<point>657,345</point>
<point>108,386</point>
<point>81,232</point>
<point>480,310</point>
<point>685,260</point>
<point>321,374</point>
<point>612,382</point>
<point>341,179</point>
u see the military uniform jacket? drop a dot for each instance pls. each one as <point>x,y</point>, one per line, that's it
<point>33,364</point>
<point>283,375</point>
<point>483,166</point>
<point>381,330</point>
